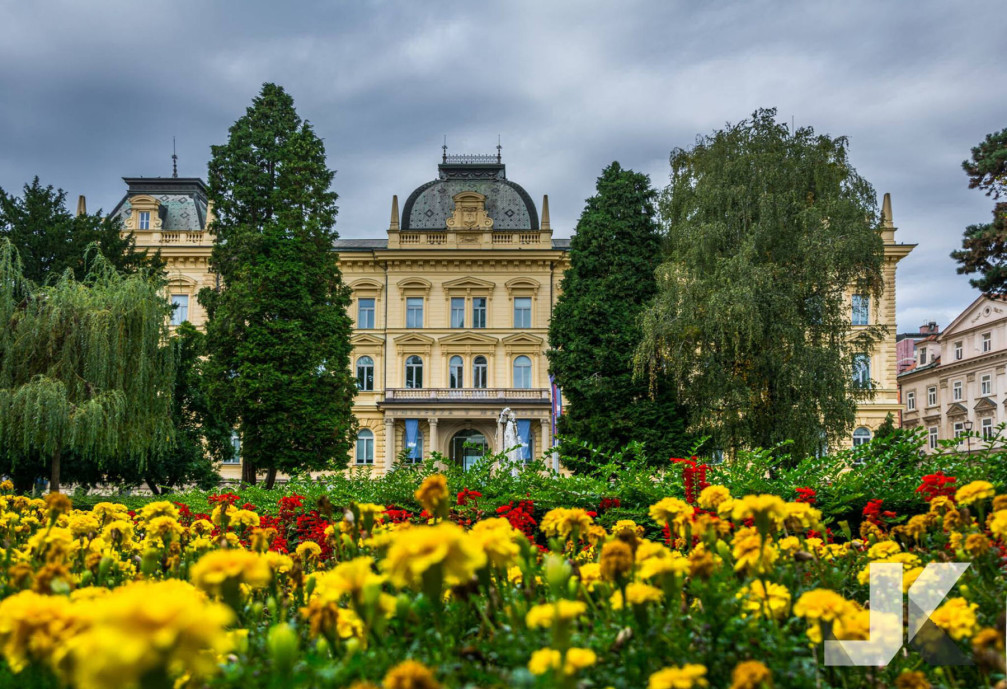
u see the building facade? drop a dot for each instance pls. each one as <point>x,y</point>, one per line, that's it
<point>451,310</point>
<point>959,383</point>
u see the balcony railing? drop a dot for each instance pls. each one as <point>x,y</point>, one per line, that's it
<point>465,394</point>
<point>161,238</point>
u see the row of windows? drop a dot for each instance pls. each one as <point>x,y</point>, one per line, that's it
<point>415,308</point>
<point>957,392</point>
<point>986,429</point>
<point>456,372</point>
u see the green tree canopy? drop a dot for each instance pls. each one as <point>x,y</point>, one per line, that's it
<point>278,333</point>
<point>984,247</point>
<point>767,230</point>
<point>82,366</point>
<point>595,326</point>
<point>50,240</point>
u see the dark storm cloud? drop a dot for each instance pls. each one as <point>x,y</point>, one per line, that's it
<point>94,91</point>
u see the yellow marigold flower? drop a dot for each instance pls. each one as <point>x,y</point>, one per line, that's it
<point>562,611</point>
<point>6,486</point>
<point>107,512</point>
<point>801,515</point>
<point>912,680</point>
<point>883,549</point>
<point>433,493</point>
<point>219,567</point>
<point>161,508</point>
<point>790,544</point>
<point>590,575</point>
<point>245,518</point>
<point>544,660</point>
<point>999,503</point>
<point>34,627</point>
<point>562,521</point>
<point>907,560</point>
<point>988,638</point>
<point>147,629</point>
<point>616,560</point>
<point>327,618</point>
<point>998,524</point>
<point>308,550</point>
<point>628,527</point>
<point>974,492</point>
<point>760,600</point>
<point>942,504</point>
<point>353,578</point>
<point>768,510</point>
<point>82,524</point>
<point>957,617</point>
<point>637,594</point>
<point>201,527</point>
<point>278,562</point>
<point>369,508</point>
<point>977,545</point>
<point>702,562</point>
<point>918,525</point>
<point>689,676</point>
<point>163,528</point>
<point>752,552</point>
<point>57,504</point>
<point>222,513</point>
<point>670,511</point>
<point>410,675</point>
<point>260,539</point>
<point>751,674</point>
<point>53,541</point>
<point>711,497</point>
<point>675,564</point>
<point>417,549</point>
<point>820,604</point>
<point>577,659</point>
<point>499,540</point>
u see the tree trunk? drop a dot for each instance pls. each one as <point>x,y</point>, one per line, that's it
<point>54,475</point>
<point>154,488</point>
<point>270,477</point>
<point>247,471</point>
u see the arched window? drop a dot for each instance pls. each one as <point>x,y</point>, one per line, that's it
<point>414,372</point>
<point>456,372</point>
<point>365,447</point>
<point>479,372</point>
<point>365,373</point>
<point>522,372</point>
<point>861,436</point>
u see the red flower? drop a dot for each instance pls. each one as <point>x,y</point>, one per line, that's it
<point>465,495</point>
<point>694,476</point>
<point>806,495</point>
<point>607,504</point>
<point>937,484</point>
<point>226,498</point>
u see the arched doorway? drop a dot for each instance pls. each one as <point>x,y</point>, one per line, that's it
<point>467,447</point>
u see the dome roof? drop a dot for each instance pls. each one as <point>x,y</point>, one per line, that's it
<point>507,203</point>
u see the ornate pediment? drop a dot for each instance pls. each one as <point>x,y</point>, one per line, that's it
<point>957,409</point>
<point>985,404</point>
<point>522,339</point>
<point>468,284</point>
<point>522,286</point>
<point>469,213</point>
<point>366,286</point>
<point>366,340</point>
<point>468,339</point>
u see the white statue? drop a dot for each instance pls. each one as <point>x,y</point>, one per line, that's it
<point>511,442</point>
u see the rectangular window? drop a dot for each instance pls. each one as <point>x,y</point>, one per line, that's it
<point>986,384</point>
<point>959,429</point>
<point>522,312</point>
<point>144,220</point>
<point>457,312</point>
<point>478,312</point>
<point>180,313</point>
<point>932,437</point>
<point>235,456</point>
<point>365,313</point>
<point>862,371</point>
<point>987,425</point>
<point>923,355</point>
<point>956,391</point>
<point>910,401</point>
<point>959,350</point>
<point>932,396</point>
<point>414,312</point>
<point>861,309</point>
<point>987,342</point>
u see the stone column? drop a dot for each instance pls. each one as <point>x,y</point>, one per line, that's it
<point>389,443</point>
<point>546,435</point>
<point>433,435</point>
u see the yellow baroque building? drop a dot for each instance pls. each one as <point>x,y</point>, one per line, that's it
<point>451,309</point>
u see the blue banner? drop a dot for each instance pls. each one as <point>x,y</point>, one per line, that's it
<point>524,435</point>
<point>412,438</point>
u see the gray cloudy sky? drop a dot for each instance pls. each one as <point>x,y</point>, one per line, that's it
<point>93,91</point>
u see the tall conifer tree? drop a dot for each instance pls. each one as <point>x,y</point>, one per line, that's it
<point>595,327</point>
<point>278,333</point>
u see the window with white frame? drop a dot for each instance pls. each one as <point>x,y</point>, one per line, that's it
<point>956,391</point>
<point>456,372</point>
<point>987,426</point>
<point>235,456</point>
<point>365,373</point>
<point>522,372</point>
<point>414,312</point>
<point>414,372</point>
<point>180,310</point>
<point>479,372</point>
<point>911,400</point>
<point>932,437</point>
<point>959,429</point>
<point>987,342</point>
<point>959,350</point>
<point>365,446</point>
<point>478,312</point>
<point>932,396</point>
<point>457,312</point>
<point>522,312</point>
<point>861,436</point>
<point>143,220</point>
<point>986,384</point>
<point>862,370</point>
<point>861,309</point>
<point>923,355</point>
<point>365,313</point>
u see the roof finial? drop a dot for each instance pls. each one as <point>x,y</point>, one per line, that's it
<point>886,212</point>
<point>545,213</point>
<point>174,159</point>
<point>393,225</point>
<point>444,148</point>
<point>81,206</point>
<point>499,148</point>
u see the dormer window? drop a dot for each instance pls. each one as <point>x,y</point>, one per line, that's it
<point>143,220</point>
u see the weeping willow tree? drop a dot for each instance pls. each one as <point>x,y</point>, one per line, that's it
<point>83,372</point>
<point>768,231</point>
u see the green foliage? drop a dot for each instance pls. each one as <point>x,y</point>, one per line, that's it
<point>984,247</point>
<point>278,333</point>
<point>595,328</point>
<point>82,369</point>
<point>766,230</point>
<point>51,240</point>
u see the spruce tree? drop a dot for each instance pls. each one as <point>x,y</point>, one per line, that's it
<point>595,327</point>
<point>50,240</point>
<point>278,332</point>
<point>768,229</point>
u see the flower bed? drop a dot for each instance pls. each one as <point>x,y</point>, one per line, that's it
<point>705,590</point>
